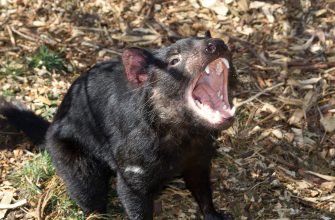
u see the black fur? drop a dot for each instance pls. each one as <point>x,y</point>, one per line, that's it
<point>30,123</point>
<point>132,119</point>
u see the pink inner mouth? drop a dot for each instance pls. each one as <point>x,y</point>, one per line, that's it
<point>208,95</point>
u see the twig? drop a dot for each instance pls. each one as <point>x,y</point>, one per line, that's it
<point>90,29</point>
<point>11,36</point>
<point>112,51</point>
<point>322,176</point>
<point>23,35</point>
<point>42,202</point>
<point>310,66</point>
<point>88,44</point>
<point>257,184</point>
<point>13,206</point>
<point>319,199</point>
<point>259,94</point>
<point>272,114</point>
<point>4,50</point>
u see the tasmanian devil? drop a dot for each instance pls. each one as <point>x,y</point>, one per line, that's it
<point>148,116</point>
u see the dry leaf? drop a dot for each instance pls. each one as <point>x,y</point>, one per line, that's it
<point>268,13</point>
<point>304,46</point>
<point>269,108</point>
<point>254,130</point>
<point>218,6</point>
<point>6,199</point>
<point>264,134</point>
<point>277,133</point>
<point>301,140</point>
<point>257,4</point>
<point>328,186</point>
<point>44,100</point>
<point>310,81</point>
<point>289,137</point>
<point>243,5</point>
<point>328,123</point>
<point>296,118</point>
<point>303,184</point>
<point>309,99</point>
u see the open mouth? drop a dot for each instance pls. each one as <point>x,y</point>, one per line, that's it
<point>208,93</point>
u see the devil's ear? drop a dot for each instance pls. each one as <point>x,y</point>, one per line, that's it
<point>135,61</point>
<point>208,34</point>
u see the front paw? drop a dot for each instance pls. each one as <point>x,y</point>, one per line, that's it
<point>218,216</point>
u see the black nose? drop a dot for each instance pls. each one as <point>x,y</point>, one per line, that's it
<point>215,46</point>
<point>211,48</point>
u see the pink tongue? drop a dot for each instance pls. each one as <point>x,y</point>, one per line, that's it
<point>204,94</point>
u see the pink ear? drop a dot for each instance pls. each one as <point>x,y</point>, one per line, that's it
<point>135,64</point>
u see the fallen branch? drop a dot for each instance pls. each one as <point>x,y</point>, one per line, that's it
<point>319,199</point>
<point>322,176</point>
<point>14,205</point>
<point>259,94</point>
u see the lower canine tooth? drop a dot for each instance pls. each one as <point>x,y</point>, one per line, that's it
<point>207,70</point>
<point>233,110</point>
<point>225,61</point>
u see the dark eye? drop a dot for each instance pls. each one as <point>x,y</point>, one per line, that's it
<point>174,61</point>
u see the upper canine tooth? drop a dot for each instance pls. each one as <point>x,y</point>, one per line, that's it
<point>225,61</point>
<point>207,70</point>
<point>233,110</point>
<point>218,69</point>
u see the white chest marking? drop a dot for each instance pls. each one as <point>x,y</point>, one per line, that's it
<point>134,169</point>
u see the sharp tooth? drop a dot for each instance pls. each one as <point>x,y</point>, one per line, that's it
<point>207,70</point>
<point>224,107</point>
<point>218,69</point>
<point>221,97</point>
<point>197,102</point>
<point>232,111</point>
<point>225,61</point>
<point>218,93</point>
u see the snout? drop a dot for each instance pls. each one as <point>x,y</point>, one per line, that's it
<point>215,46</point>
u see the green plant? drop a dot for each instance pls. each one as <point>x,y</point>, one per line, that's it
<point>13,68</point>
<point>47,58</point>
<point>35,172</point>
<point>39,183</point>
